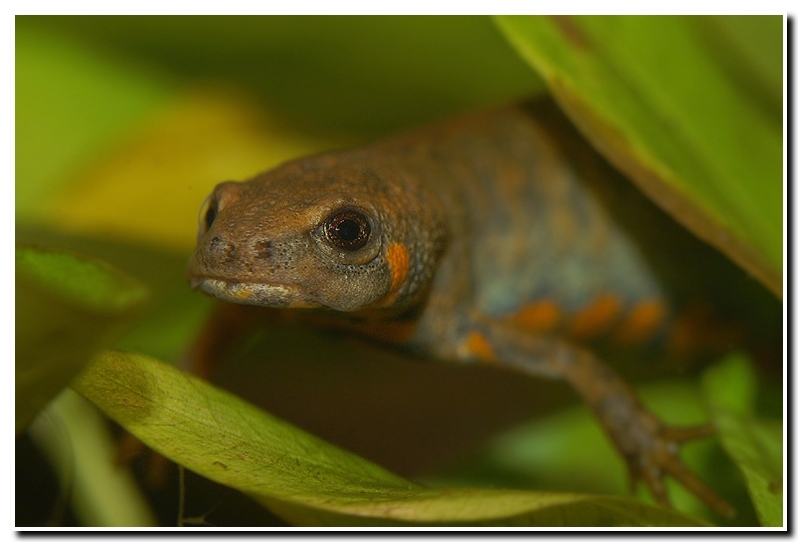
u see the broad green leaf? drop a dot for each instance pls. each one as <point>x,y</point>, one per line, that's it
<point>67,308</point>
<point>305,479</point>
<point>755,444</point>
<point>650,94</point>
<point>745,47</point>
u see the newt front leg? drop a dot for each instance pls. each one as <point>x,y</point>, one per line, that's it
<point>649,447</point>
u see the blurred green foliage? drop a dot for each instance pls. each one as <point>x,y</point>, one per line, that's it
<point>366,74</point>
<point>71,102</point>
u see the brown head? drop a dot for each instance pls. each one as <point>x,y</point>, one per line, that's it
<point>322,232</point>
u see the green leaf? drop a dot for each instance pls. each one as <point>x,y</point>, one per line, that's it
<point>754,444</point>
<point>756,447</point>
<point>304,479</point>
<point>651,94</point>
<point>67,308</point>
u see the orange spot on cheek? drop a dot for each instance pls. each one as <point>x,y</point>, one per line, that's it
<point>399,263</point>
<point>596,319</point>
<point>641,323</point>
<point>540,317</point>
<point>479,346</point>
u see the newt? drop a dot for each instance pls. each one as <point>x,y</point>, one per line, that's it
<point>500,238</point>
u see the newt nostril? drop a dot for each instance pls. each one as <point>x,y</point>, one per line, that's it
<point>221,249</point>
<point>263,249</point>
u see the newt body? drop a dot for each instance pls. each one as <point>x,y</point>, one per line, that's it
<point>500,238</point>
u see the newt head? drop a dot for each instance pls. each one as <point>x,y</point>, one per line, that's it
<point>321,232</point>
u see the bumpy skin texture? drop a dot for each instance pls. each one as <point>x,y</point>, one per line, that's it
<point>500,238</point>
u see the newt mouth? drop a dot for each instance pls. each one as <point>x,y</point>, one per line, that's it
<point>252,293</point>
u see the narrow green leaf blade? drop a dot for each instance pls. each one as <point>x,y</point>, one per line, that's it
<point>67,308</point>
<point>305,479</point>
<point>76,439</point>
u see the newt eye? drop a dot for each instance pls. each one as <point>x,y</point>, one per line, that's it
<point>347,229</point>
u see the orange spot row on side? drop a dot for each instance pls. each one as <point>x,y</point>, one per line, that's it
<point>596,319</point>
<point>642,323</point>
<point>540,317</point>
<point>479,346</point>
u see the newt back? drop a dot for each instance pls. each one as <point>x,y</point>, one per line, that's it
<point>545,234</point>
